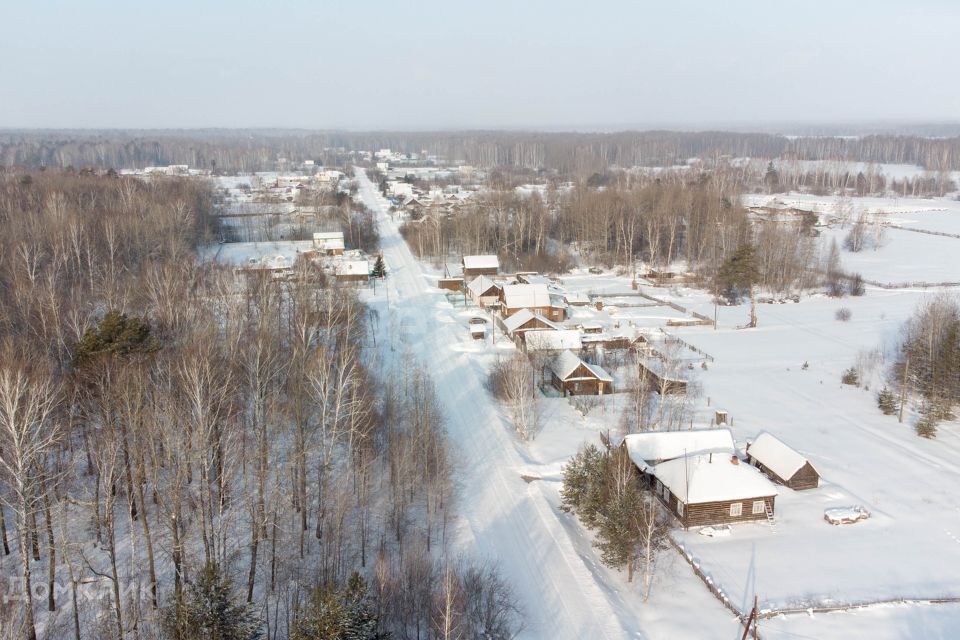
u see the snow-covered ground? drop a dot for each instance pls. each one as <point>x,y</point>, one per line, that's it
<point>909,548</point>
<point>542,551</point>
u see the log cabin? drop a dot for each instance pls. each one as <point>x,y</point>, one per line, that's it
<point>712,489</point>
<point>533,297</point>
<point>782,464</point>
<point>572,376</point>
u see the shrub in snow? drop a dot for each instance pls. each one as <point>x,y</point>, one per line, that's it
<point>855,285</point>
<point>926,426</point>
<point>843,314</point>
<point>851,377</point>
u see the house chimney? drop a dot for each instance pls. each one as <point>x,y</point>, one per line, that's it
<point>734,460</point>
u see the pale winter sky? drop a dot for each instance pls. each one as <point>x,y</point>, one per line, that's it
<point>425,64</point>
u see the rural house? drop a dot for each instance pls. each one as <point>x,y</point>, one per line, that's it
<point>713,488</point>
<point>534,297</point>
<point>474,266</point>
<point>526,320</point>
<point>352,271</point>
<point>329,242</point>
<point>572,376</point>
<point>781,463</point>
<point>484,291</point>
<point>697,475</point>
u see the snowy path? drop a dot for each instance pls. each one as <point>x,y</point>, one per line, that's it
<point>500,516</point>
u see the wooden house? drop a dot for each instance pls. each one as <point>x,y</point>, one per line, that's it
<point>782,464</point>
<point>698,477</point>
<point>352,271</point>
<point>713,488</point>
<point>473,266</point>
<point>572,376</point>
<point>484,291</point>
<point>526,320</point>
<point>329,242</point>
<point>533,297</point>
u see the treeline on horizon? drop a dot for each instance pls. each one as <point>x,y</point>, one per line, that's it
<point>574,154</point>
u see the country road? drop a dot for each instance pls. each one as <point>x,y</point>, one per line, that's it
<point>499,516</point>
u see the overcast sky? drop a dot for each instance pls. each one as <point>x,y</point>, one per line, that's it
<point>590,64</point>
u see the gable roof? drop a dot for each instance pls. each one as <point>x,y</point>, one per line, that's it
<point>481,262</point>
<point>653,447</point>
<point>482,284</point>
<point>775,455</point>
<point>526,295</point>
<point>553,340</point>
<point>353,268</point>
<point>524,316</point>
<point>565,364</point>
<point>705,478</point>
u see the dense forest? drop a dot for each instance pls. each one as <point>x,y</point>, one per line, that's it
<point>186,452</point>
<point>575,154</point>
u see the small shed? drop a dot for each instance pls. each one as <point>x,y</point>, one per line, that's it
<point>782,464</point>
<point>329,242</point>
<point>486,265</point>
<point>572,376</point>
<point>662,384</point>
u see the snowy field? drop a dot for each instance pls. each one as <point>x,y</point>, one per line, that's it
<point>909,548</point>
<point>240,254</point>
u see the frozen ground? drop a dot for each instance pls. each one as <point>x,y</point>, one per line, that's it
<point>910,548</point>
<point>239,254</point>
<point>544,552</point>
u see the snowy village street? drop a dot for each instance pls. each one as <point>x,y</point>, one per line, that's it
<point>501,517</point>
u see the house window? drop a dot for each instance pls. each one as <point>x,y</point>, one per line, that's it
<point>736,509</point>
<point>679,508</point>
<point>666,493</point>
<point>759,506</point>
<point>659,486</point>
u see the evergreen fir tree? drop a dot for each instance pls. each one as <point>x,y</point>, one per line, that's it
<point>208,611</point>
<point>887,402</point>
<point>379,268</point>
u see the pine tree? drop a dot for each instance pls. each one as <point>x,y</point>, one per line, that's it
<point>583,479</point>
<point>208,611</point>
<point>379,268</point>
<point>739,274</point>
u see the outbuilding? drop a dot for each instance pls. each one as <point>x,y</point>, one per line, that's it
<point>781,463</point>
<point>486,265</point>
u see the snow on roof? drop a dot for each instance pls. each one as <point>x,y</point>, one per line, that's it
<point>775,455</point>
<point>567,362</point>
<point>481,262</point>
<point>353,268</point>
<point>328,235</point>
<point>652,447</point>
<point>526,295</point>
<point>523,316</point>
<point>553,340</point>
<point>537,279</point>
<point>481,284</point>
<point>706,478</point>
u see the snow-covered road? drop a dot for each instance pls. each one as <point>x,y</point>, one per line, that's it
<point>500,516</point>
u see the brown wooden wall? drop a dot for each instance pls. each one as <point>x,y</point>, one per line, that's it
<point>708,513</point>
<point>806,476</point>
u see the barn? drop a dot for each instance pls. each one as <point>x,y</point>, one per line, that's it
<point>572,376</point>
<point>781,463</point>
<point>473,266</point>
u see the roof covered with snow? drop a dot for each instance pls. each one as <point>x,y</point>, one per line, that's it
<point>328,235</point>
<point>652,447</point>
<point>775,455</point>
<point>553,340</point>
<point>524,316</point>
<point>481,262</point>
<point>353,268</point>
<point>516,296</point>
<point>481,284</point>
<point>565,364</point>
<point>712,478</point>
